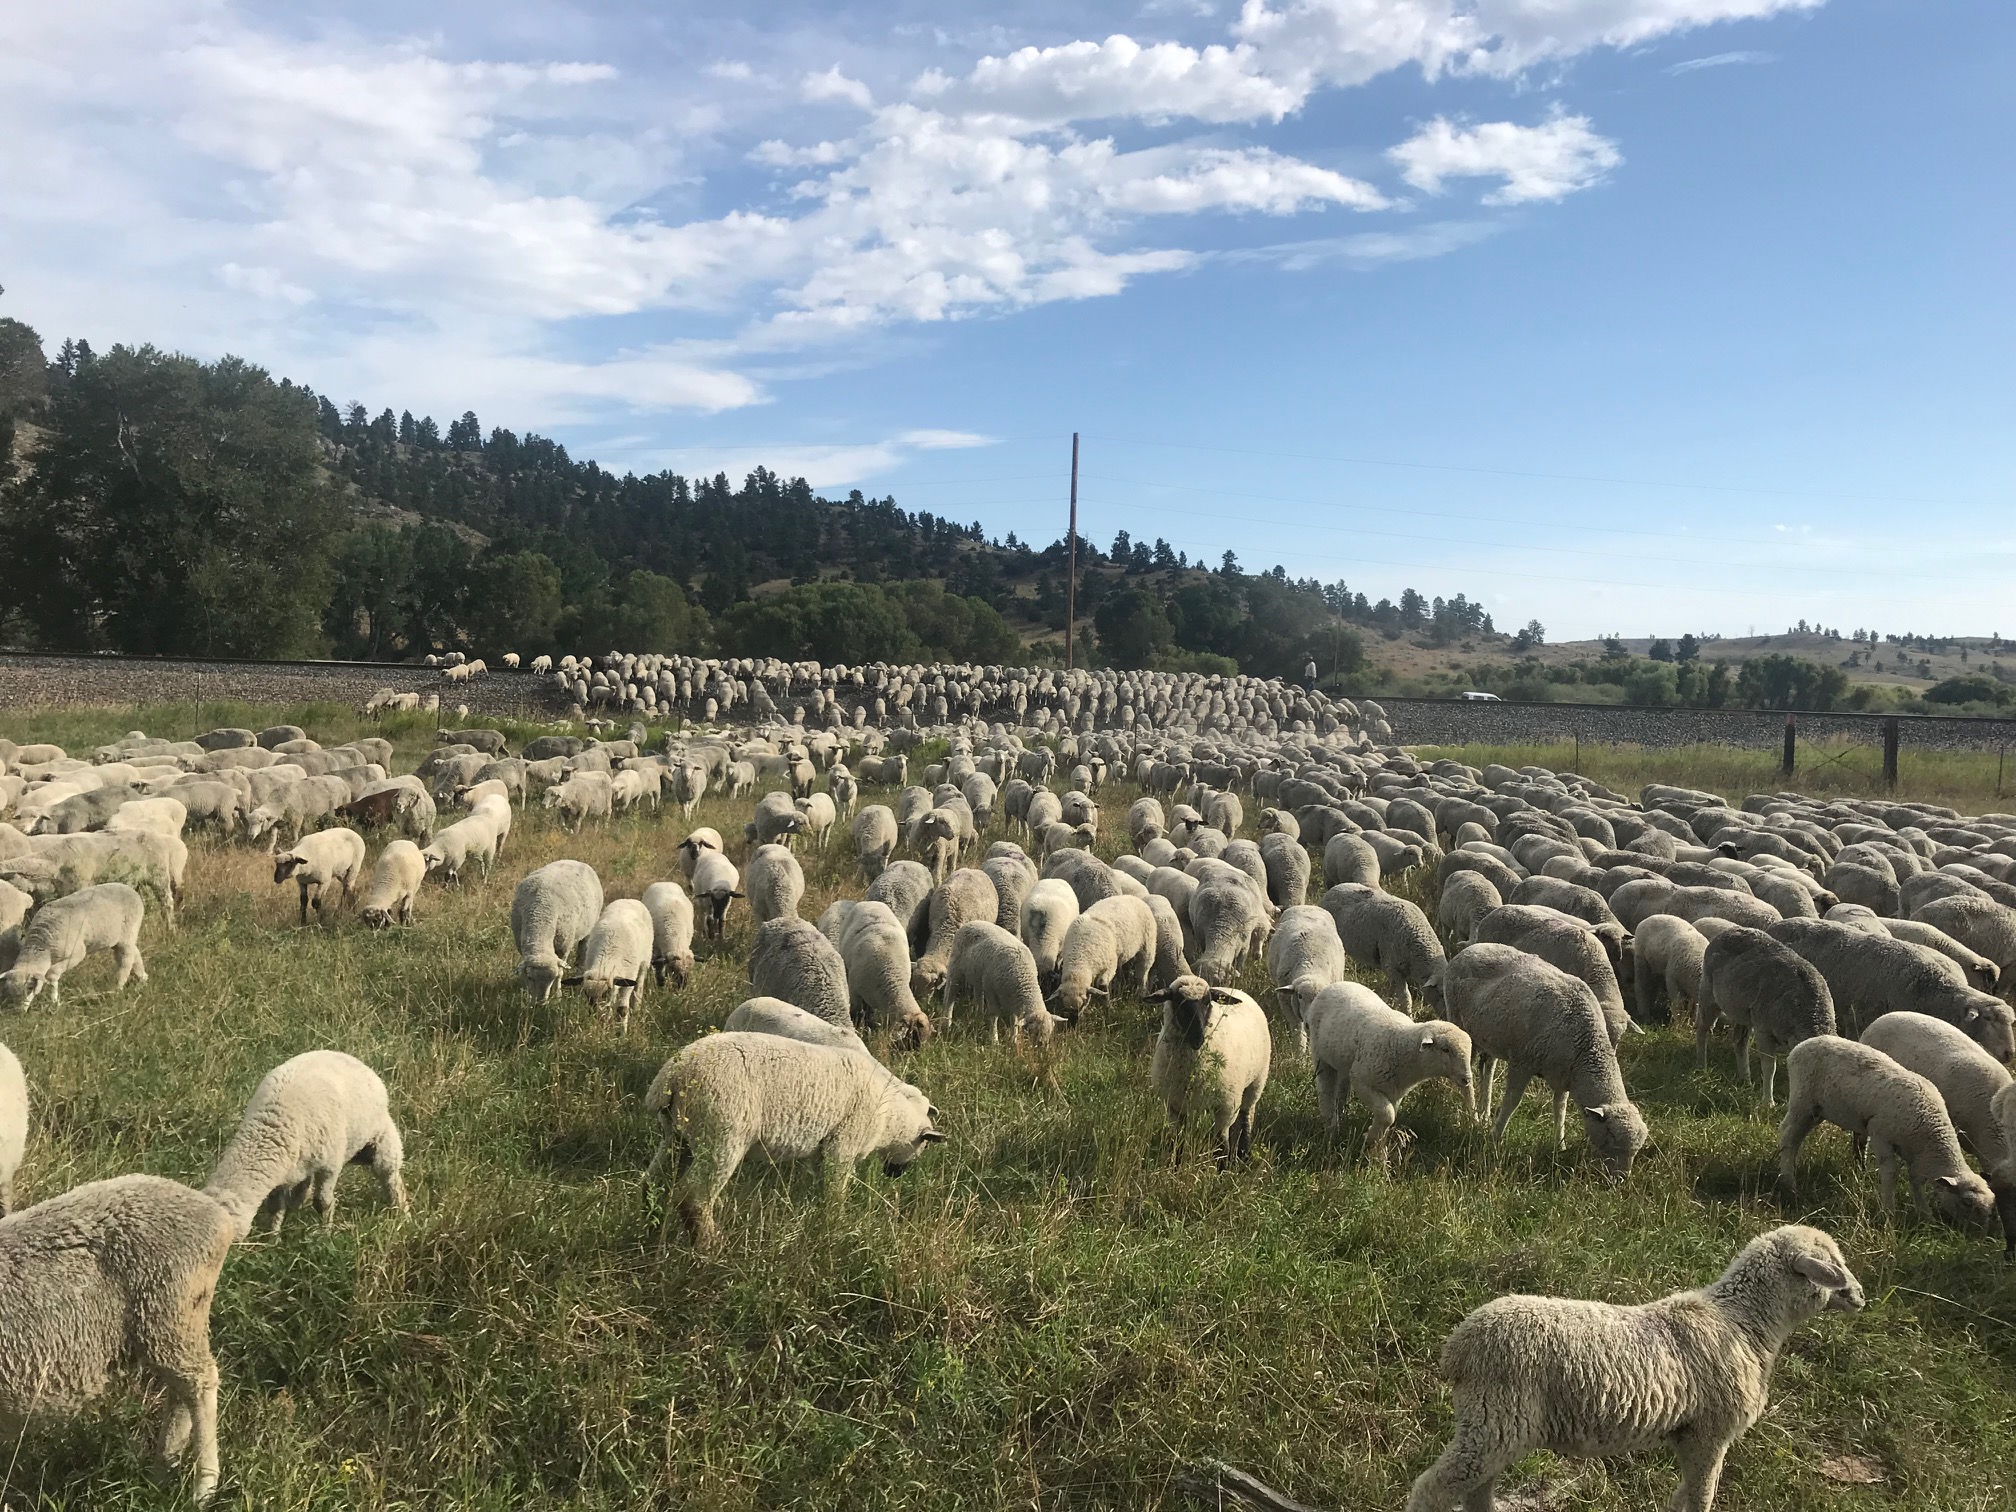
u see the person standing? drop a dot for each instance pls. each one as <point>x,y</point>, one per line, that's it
<point>1309,675</point>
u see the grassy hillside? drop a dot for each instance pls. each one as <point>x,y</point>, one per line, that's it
<point>1052,1311</point>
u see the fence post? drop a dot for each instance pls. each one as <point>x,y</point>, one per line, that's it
<point>1891,727</point>
<point>1791,744</point>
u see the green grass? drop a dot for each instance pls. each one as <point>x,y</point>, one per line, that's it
<point>1052,1311</point>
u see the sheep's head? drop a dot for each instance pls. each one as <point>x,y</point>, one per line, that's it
<point>375,918</point>
<point>1188,1002</point>
<point>540,975</point>
<point>678,966</point>
<point>1964,1201</point>
<point>286,864</point>
<point>1445,1052</point>
<point>927,977</point>
<point>1617,1132</point>
<point>909,1128</point>
<point>24,983</point>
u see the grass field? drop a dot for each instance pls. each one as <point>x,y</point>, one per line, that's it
<point>1051,1311</point>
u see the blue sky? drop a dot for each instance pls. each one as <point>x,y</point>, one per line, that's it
<point>1632,315</point>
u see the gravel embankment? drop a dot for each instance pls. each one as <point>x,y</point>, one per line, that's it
<point>30,682</point>
<point>1451,722</point>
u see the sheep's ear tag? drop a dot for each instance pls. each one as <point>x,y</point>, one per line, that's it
<point>1427,1042</point>
<point>1820,1271</point>
<point>1972,1014</point>
<point>1160,997</point>
<point>1949,1181</point>
<point>1599,1114</point>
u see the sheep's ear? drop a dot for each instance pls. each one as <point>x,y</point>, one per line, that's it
<point>737,895</point>
<point>1601,1115</point>
<point>932,1136</point>
<point>1067,1015</point>
<point>1224,995</point>
<point>1820,1271</point>
<point>570,981</point>
<point>624,982</point>
<point>1952,1182</point>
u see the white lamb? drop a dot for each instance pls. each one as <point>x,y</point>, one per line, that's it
<point>1590,1378</point>
<point>395,885</point>
<point>1364,1049</point>
<point>1304,956</point>
<point>671,931</point>
<point>1048,911</point>
<point>1979,1095</point>
<point>1223,1033</point>
<point>768,1015</point>
<point>316,863</point>
<point>66,931</point>
<point>114,1277</point>
<point>728,1094</point>
<point>552,912</point>
<point>616,959</point>
<point>153,816</point>
<point>308,1118</point>
<point>716,883</point>
<point>993,970</point>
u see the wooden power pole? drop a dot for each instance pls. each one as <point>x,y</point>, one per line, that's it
<point>1071,558</point>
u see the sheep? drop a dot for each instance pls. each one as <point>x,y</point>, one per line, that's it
<point>773,884</point>
<point>1113,936</point>
<point>1145,822</point>
<point>696,843</point>
<point>475,838</point>
<point>671,931</point>
<point>13,1125</point>
<point>583,796</point>
<point>115,1276</point>
<point>62,934</point>
<point>777,820</point>
<point>1767,991</point>
<point>1564,942</point>
<point>874,951</point>
<point>207,803</point>
<point>1982,974</point>
<point>1171,959</point>
<point>395,885</point>
<point>1226,1032</point>
<point>1592,1378</point>
<point>615,958</point>
<point>792,960</point>
<point>1858,1088</point>
<point>308,1118</point>
<point>1976,1090</point>
<point>402,801</point>
<point>1047,913</point>
<point>1545,1024</point>
<point>552,912</point>
<point>1013,875</point>
<point>1230,922</point>
<point>993,969</point>
<point>906,887</point>
<point>1983,925</point>
<point>1362,1048</point>
<point>844,790</point>
<point>874,834</point>
<point>15,905</point>
<point>1391,935</point>
<point>157,816</point>
<point>1287,867</point>
<point>766,1015</point>
<point>728,1094</point>
<point>716,884</point>
<point>1663,962</point>
<point>1466,897</point>
<point>965,895</point>
<point>1348,858</point>
<point>1869,975</point>
<point>317,863</point>
<point>1304,956</point>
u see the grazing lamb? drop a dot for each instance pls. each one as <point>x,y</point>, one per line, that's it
<point>1013,875</point>
<point>1975,1088</point>
<point>777,820</point>
<point>766,1015</point>
<point>874,835</point>
<point>875,951</point>
<point>110,1277</point>
<point>1545,1024</point>
<point>474,839</point>
<point>792,960</point>
<point>1858,1088</point>
<point>773,884</point>
<point>65,932</point>
<point>1592,1378</point>
<point>731,1093</point>
<point>1171,960</point>
<point>1564,942</point>
<point>616,958</point>
<point>1391,935</point>
<point>671,931</point>
<point>1304,956</point>
<point>1287,866</point>
<point>905,886</point>
<point>583,796</point>
<point>716,884</point>
<point>991,968</point>
<point>1663,964</point>
<point>1767,991</point>
<point>1047,913</point>
<point>1364,1049</point>
<point>1869,975</point>
<point>309,1117</point>
<point>552,912</point>
<point>332,858</point>
<point>1113,936</point>
<point>966,895</point>
<point>1982,974</point>
<point>1224,1033</point>
<point>1229,920</point>
<point>395,885</point>
<point>1466,897</point>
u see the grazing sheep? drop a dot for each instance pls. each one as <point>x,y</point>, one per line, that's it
<point>615,958</point>
<point>1545,1024</point>
<point>1466,897</point>
<point>792,960</point>
<point>475,838</point>
<point>1171,960</point>
<point>1362,1048</point>
<point>1304,956</point>
<point>15,906</point>
<point>845,791</point>
<point>1113,936</point>
<point>309,1117</point>
<point>1984,926</point>
<point>731,1093</point>
<point>1229,920</point>
<point>874,835</point>
<point>13,1125</point>
<point>777,820</point>
<point>1870,975</point>
<point>395,885</point>
<point>1767,991</point>
<point>716,884</point>
<point>671,931</point>
<point>115,1276</point>
<point>583,796</point>
<point>1982,974</point>
<point>1663,964</point>
<point>1145,822</point>
<point>696,843</point>
<point>1564,942</point>
<point>1858,1088</point>
<point>1975,1088</point>
<point>156,816</point>
<point>65,932</point>
<point>1224,1032</point>
<point>765,1015</point>
<point>552,912</point>
<point>874,948</point>
<point>332,858</point>
<point>1595,1379</point>
<point>994,970</point>
<point>773,883</point>
<point>966,895</point>
<point>1047,914</point>
<point>1287,867</point>
<point>1391,935</point>
<point>1348,858</point>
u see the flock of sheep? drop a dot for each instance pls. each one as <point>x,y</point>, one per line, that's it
<point>1860,942</point>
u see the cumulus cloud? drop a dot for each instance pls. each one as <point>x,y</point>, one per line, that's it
<point>1545,162</point>
<point>836,86</point>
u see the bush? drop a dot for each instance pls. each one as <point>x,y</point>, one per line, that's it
<point>1970,688</point>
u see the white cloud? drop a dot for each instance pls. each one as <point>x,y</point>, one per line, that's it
<point>834,85</point>
<point>1722,60</point>
<point>823,466</point>
<point>1089,81</point>
<point>731,69</point>
<point>1372,249</point>
<point>1544,162</point>
<point>262,283</point>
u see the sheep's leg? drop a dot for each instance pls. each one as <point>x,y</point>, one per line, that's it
<point>1486,1072</point>
<point>1700,1472</point>
<point>130,964</point>
<point>1328,1102</point>
<point>703,1182</point>
<point>1886,1179</point>
<point>1704,1022</point>
<point>1467,1471</point>
<point>1770,1080</point>
<point>1516,1078</point>
<point>193,1417</point>
<point>1799,1122</point>
<point>304,902</point>
<point>1560,1120</point>
<point>324,1193</point>
<point>388,1159</point>
<point>1383,1114</point>
<point>1743,1052</point>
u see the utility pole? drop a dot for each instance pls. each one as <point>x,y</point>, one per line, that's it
<point>1071,556</point>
